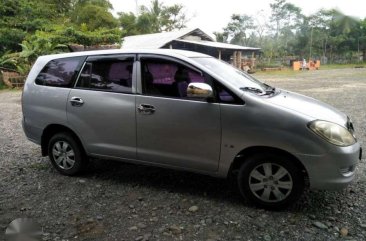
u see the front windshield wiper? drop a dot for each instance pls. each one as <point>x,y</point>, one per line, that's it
<point>270,90</point>
<point>253,89</point>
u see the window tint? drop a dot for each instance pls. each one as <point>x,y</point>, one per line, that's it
<point>59,72</point>
<point>167,78</point>
<point>107,75</point>
<point>226,96</point>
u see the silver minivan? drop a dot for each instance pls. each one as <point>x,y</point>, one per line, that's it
<point>187,111</point>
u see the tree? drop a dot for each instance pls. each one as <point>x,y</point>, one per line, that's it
<point>153,19</point>
<point>260,26</point>
<point>94,13</point>
<point>286,18</point>
<point>361,38</point>
<point>17,18</point>
<point>221,37</point>
<point>100,3</point>
<point>128,22</point>
<point>238,29</point>
<point>95,17</point>
<point>334,28</point>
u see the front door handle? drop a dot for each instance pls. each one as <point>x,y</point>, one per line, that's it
<point>76,101</point>
<point>146,109</point>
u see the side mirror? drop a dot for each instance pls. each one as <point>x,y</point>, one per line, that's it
<point>199,90</point>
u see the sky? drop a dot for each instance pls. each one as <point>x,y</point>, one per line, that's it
<point>212,15</point>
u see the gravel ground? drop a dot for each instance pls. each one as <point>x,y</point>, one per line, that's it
<point>117,201</point>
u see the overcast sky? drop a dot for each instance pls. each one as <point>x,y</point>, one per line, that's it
<point>212,15</point>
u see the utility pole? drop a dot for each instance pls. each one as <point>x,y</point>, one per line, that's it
<point>137,7</point>
<point>358,50</point>
<point>311,42</point>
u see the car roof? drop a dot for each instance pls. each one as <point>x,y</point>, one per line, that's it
<point>166,52</point>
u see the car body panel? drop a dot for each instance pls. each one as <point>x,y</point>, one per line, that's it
<point>180,133</point>
<point>309,106</point>
<point>105,122</point>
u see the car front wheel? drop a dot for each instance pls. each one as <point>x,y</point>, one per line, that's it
<point>270,181</point>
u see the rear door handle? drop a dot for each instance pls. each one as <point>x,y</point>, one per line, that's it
<point>76,101</point>
<point>146,109</point>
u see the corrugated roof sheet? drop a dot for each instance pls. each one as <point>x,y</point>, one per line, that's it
<point>159,40</point>
<point>218,45</point>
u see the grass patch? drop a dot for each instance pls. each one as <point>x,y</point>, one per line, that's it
<point>39,166</point>
<point>341,66</point>
<point>277,72</point>
<point>4,88</point>
<point>290,72</point>
<point>2,85</point>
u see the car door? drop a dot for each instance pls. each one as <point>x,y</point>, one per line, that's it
<point>101,106</point>
<point>172,129</point>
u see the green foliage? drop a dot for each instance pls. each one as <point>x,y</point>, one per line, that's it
<point>30,28</point>
<point>72,35</point>
<point>19,18</point>
<point>10,39</point>
<point>221,37</point>
<point>31,50</point>
<point>128,22</point>
<point>8,61</point>
<point>105,4</point>
<point>153,19</point>
<point>287,33</point>
<point>238,27</point>
<point>94,17</point>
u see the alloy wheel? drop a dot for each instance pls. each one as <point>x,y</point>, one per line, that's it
<point>63,154</point>
<point>270,182</point>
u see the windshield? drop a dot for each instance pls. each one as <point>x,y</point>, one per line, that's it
<point>233,75</point>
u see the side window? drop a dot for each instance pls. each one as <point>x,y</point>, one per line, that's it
<point>167,78</point>
<point>59,72</point>
<point>226,96</point>
<point>107,75</point>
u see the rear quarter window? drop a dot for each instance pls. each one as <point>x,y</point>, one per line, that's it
<point>60,72</point>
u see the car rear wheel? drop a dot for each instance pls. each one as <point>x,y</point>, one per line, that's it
<point>66,154</point>
<point>270,181</point>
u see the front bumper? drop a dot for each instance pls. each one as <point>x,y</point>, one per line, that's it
<point>333,170</point>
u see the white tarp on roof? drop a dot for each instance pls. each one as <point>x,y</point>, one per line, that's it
<point>157,40</point>
<point>194,36</point>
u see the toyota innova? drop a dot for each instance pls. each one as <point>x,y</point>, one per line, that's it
<point>188,111</point>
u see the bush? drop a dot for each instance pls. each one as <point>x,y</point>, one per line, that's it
<point>71,35</point>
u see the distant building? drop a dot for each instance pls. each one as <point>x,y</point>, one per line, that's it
<point>194,40</point>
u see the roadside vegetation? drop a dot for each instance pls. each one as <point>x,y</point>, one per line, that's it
<point>288,34</point>
<point>30,28</point>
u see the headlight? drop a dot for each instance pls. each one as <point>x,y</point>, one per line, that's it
<point>334,133</point>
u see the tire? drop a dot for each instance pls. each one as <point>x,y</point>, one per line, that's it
<point>66,155</point>
<point>270,181</point>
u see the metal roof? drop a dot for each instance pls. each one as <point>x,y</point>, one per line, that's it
<point>217,45</point>
<point>158,40</point>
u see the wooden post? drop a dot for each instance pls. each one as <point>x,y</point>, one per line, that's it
<point>234,58</point>
<point>238,60</point>
<point>252,60</point>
